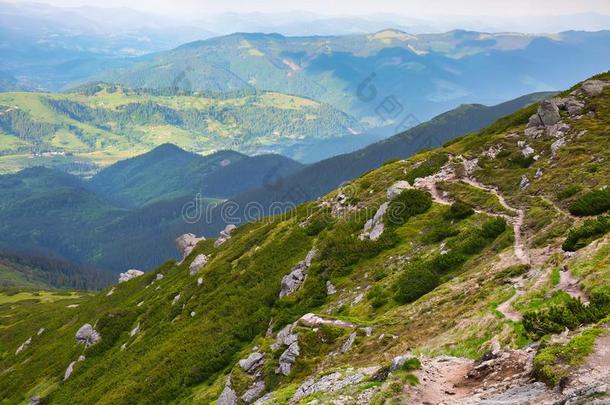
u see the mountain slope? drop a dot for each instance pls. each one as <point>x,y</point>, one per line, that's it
<point>464,265</point>
<point>382,78</point>
<point>320,178</point>
<point>168,172</point>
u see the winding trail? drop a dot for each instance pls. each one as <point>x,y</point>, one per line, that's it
<point>571,285</point>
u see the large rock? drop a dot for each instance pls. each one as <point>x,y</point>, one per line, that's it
<point>252,362</point>
<point>397,188</point>
<point>87,336</point>
<point>594,88</point>
<point>186,243</point>
<point>548,113</point>
<point>129,275</point>
<point>293,280</point>
<point>284,337</point>
<point>254,392</point>
<point>228,396</point>
<point>197,264</point>
<point>347,345</point>
<point>332,382</point>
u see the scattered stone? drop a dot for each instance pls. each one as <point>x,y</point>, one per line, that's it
<point>40,331</point>
<point>130,274</point>
<point>538,173</point>
<point>347,345</point>
<point>87,335</point>
<point>332,382</point>
<point>70,368</point>
<point>368,330</point>
<point>140,303</point>
<point>176,299</point>
<point>135,330</point>
<point>124,346</point>
<point>558,130</point>
<point>527,151</point>
<point>358,299</point>
<point>228,396</point>
<point>35,400</point>
<point>330,288</point>
<point>225,235</point>
<point>199,281</point>
<point>110,292</point>
<point>186,243</point>
<point>397,188</point>
<point>159,277</point>
<point>556,145</point>
<point>254,392</point>
<point>524,183</point>
<point>293,280</point>
<point>252,362</point>
<point>23,346</point>
<point>197,264</point>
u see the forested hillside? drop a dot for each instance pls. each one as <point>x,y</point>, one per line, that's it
<point>100,124</point>
<point>472,273</point>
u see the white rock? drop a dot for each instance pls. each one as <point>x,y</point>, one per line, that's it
<point>253,392</point>
<point>70,368</point>
<point>397,188</point>
<point>347,345</point>
<point>40,331</point>
<point>193,313</point>
<point>330,288</point>
<point>293,280</point>
<point>186,243</point>
<point>176,299</point>
<point>312,320</point>
<point>23,346</point>
<point>594,88</point>
<point>129,275</point>
<point>228,396</point>
<point>110,292</point>
<point>197,264</point>
<point>199,281</point>
<point>252,362</point>
<point>159,277</point>
<point>87,335</point>
<point>135,330</point>
<point>524,183</point>
<point>287,359</point>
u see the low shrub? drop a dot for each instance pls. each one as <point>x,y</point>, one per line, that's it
<point>493,228</point>
<point>449,261</point>
<point>459,210</point>
<point>595,202</point>
<point>568,192</point>
<point>378,296</point>
<point>416,280</point>
<point>427,168</point>
<point>406,205</point>
<point>589,231</point>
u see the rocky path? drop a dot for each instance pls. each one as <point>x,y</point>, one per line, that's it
<point>506,308</point>
<point>571,285</point>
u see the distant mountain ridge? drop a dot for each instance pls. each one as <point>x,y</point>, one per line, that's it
<point>380,77</point>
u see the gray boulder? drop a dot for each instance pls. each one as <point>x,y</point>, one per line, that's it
<point>252,362</point>
<point>293,280</point>
<point>330,288</point>
<point>347,345</point>
<point>87,336</point>
<point>374,227</point>
<point>287,359</point>
<point>186,243</point>
<point>35,400</point>
<point>284,337</point>
<point>594,88</point>
<point>397,188</point>
<point>23,346</point>
<point>524,183</point>
<point>228,396</point>
<point>70,368</point>
<point>548,113</point>
<point>225,235</point>
<point>254,392</point>
<point>197,264</point>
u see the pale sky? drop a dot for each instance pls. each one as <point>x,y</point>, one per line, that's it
<point>411,8</point>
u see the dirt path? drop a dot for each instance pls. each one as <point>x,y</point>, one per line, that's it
<point>571,285</point>
<point>439,381</point>
<point>506,308</point>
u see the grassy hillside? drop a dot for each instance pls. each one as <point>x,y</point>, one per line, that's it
<point>381,78</point>
<point>468,263</point>
<point>99,124</point>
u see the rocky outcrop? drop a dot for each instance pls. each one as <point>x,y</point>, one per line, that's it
<point>293,280</point>
<point>332,382</point>
<point>524,183</point>
<point>287,359</point>
<point>135,330</point>
<point>186,243</point>
<point>397,188</point>
<point>228,396</point>
<point>23,346</point>
<point>254,392</point>
<point>87,336</point>
<point>285,337</point>
<point>197,264</point>
<point>374,227</point>
<point>312,320</point>
<point>129,275</point>
<point>225,235</point>
<point>252,363</point>
<point>70,368</point>
<point>347,345</point>
<point>330,288</point>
